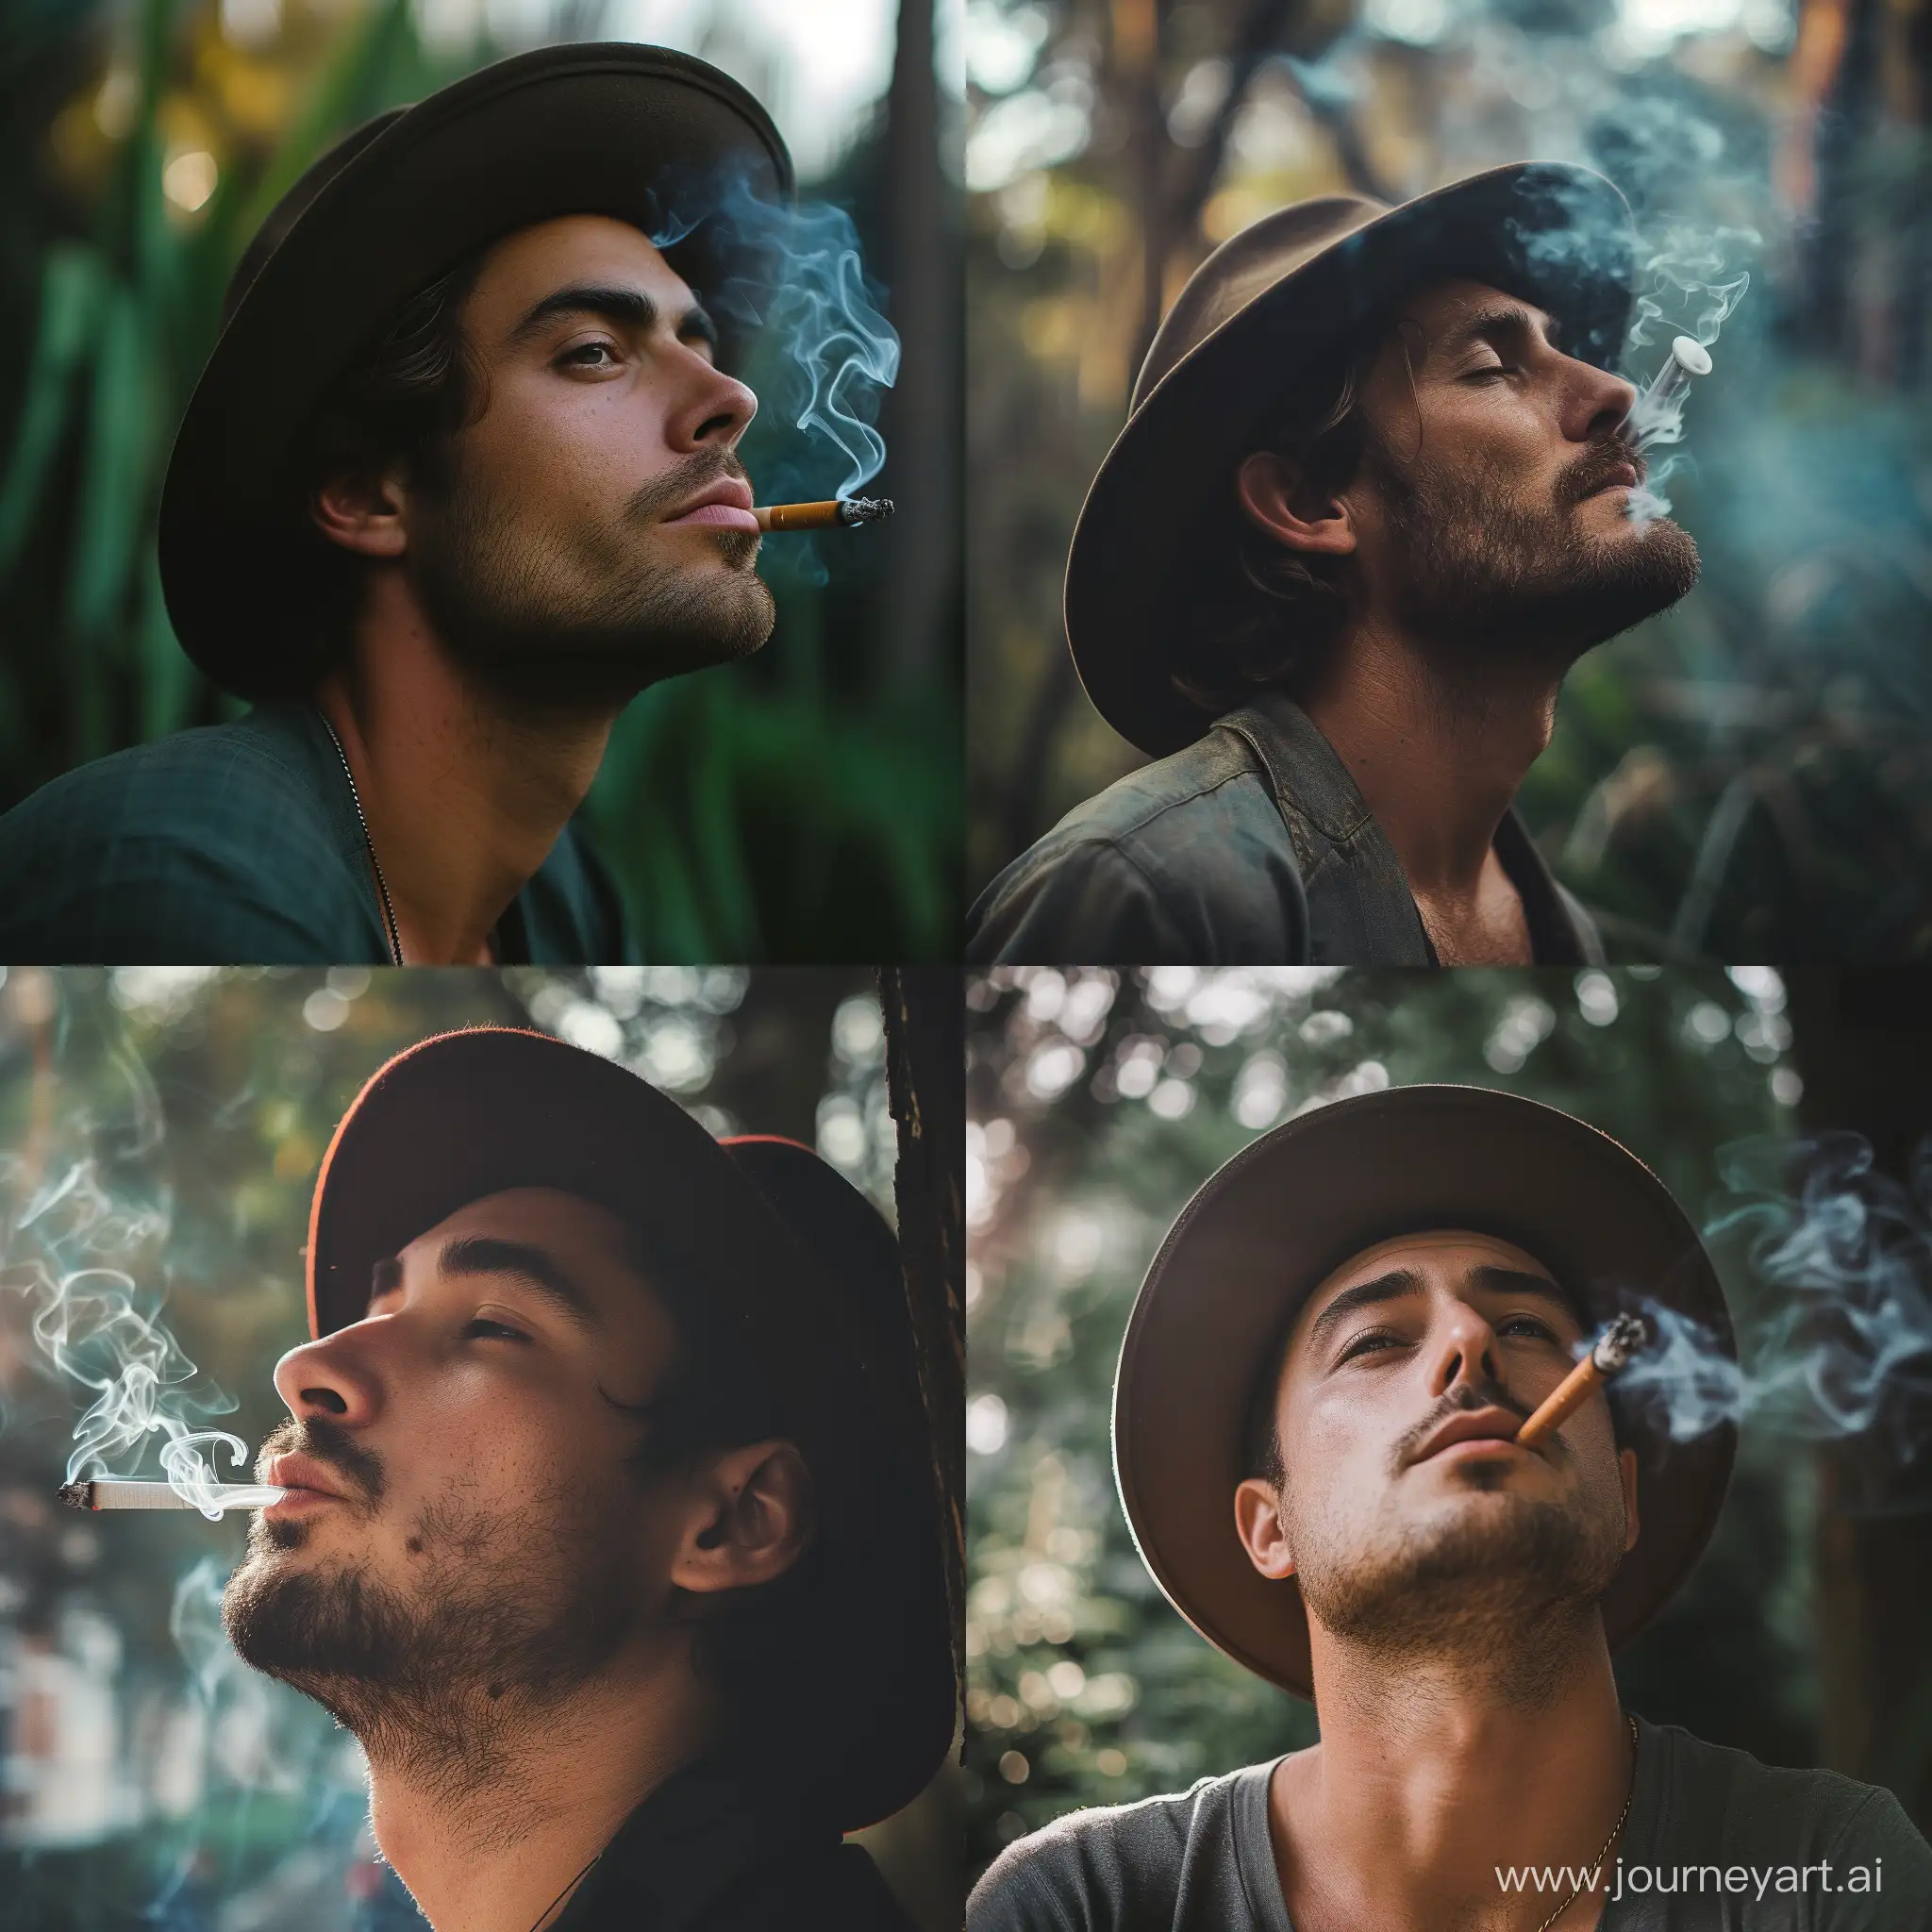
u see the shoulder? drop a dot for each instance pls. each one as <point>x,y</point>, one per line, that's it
<point>575,912</point>
<point>1185,861</point>
<point>1114,1865</point>
<point>1770,1816</point>
<point>206,841</point>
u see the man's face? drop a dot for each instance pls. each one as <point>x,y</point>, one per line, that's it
<point>1492,510</point>
<point>484,1533</point>
<point>1402,1535</point>
<point>567,548</point>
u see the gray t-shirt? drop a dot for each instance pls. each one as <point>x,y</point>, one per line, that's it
<point>1715,1842</point>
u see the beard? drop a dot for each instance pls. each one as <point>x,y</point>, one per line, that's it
<point>1481,572</point>
<point>1497,1586</point>
<point>503,1615</point>
<point>557,618</point>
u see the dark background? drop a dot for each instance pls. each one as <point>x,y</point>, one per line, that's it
<point>805,805</point>
<point>1745,777</point>
<point>146,1776</point>
<point>1098,1102</point>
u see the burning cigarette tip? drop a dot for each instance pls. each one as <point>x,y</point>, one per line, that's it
<point>1609,1355</point>
<point>834,512</point>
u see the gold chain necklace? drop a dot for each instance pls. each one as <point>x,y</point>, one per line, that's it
<point>389,912</point>
<point>1622,1815</point>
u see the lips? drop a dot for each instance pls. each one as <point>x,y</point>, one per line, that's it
<point>726,504</point>
<point>1623,477</point>
<point>303,1476</point>
<point>1471,1426</point>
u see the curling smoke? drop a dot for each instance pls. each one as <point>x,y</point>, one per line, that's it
<point>87,1323</point>
<point>829,350</point>
<point>1691,291</point>
<point>1838,1341</point>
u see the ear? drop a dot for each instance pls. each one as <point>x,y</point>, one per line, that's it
<point>1273,499</point>
<point>751,1516</point>
<point>1626,1468</point>
<point>362,510</point>
<point>1258,1520</point>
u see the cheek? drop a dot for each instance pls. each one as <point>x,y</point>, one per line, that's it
<point>588,445</point>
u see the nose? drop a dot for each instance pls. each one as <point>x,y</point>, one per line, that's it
<point>1463,1351</point>
<point>332,1377</point>
<point>1597,403</point>
<point>714,407</point>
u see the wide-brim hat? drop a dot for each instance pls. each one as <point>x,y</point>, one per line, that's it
<point>644,134</point>
<point>1292,1207</point>
<point>802,1269</point>
<point>1228,353</point>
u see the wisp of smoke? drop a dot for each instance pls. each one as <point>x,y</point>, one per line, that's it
<point>1839,1340</point>
<point>92,1337</point>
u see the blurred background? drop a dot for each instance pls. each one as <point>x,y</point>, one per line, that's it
<point>1744,778</point>
<point>805,805</point>
<point>1098,1102</point>
<point>147,1777</point>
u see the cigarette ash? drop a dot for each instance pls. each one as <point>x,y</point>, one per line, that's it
<point>1834,1333</point>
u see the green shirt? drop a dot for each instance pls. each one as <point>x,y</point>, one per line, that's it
<point>239,844</point>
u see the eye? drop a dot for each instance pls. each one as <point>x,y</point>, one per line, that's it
<point>1371,1343</point>
<point>482,1329</point>
<point>1492,369</point>
<point>583,354</point>
<point>1540,1329</point>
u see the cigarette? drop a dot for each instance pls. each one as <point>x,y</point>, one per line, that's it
<point>1613,1351</point>
<point>119,1495</point>
<point>1688,358</point>
<point>833,513</point>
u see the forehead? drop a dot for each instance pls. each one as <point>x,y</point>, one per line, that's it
<point>1447,1256</point>
<point>564,1223</point>
<point>525,267</point>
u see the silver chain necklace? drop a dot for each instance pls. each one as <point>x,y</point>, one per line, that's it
<point>1614,1830</point>
<point>389,912</point>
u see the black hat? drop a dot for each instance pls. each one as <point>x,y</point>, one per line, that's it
<point>639,133</point>
<point>1250,321</point>
<point>801,1266</point>
<point>1272,1224</point>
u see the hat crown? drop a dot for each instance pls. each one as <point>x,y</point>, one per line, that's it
<point>1247,265</point>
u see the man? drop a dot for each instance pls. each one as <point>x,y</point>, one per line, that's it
<point>610,1530</point>
<point>461,479</point>
<point>1314,1426</point>
<point>1376,495</point>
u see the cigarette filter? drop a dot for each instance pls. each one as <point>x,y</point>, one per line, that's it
<point>1611,1353</point>
<point>834,512</point>
<point>103,1494</point>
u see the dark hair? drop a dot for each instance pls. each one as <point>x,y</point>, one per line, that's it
<point>758,1652</point>
<point>407,395</point>
<point>1266,616</point>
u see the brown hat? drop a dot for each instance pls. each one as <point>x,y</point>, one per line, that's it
<point>797,1264</point>
<point>1278,1220</point>
<point>644,134</point>
<point>1245,327</point>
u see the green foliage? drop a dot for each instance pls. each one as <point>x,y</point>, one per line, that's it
<point>1100,1102</point>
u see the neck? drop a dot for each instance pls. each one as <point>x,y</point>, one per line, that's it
<point>1437,758</point>
<point>465,792</point>
<point>487,1817</point>
<point>1431,1774</point>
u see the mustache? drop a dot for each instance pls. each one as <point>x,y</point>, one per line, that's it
<point>1463,1397</point>
<point>682,480</point>
<point>328,1443</point>
<point>1599,462</point>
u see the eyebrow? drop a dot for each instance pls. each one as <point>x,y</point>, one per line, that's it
<point>1498,319</point>
<point>630,308</point>
<point>1401,1282</point>
<point>519,1261</point>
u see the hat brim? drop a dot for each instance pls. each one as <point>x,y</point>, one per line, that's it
<point>601,128</point>
<point>807,1285</point>
<point>1279,1218</point>
<point>1555,235</point>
